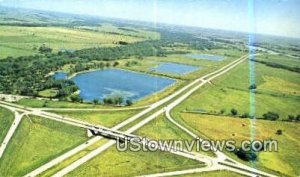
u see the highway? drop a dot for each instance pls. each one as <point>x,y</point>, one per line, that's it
<point>212,163</point>
<point>10,132</point>
<point>99,150</point>
<point>113,133</point>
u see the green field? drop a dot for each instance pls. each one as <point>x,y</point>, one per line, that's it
<point>205,66</point>
<point>277,91</point>
<point>104,118</point>
<point>35,103</point>
<point>221,173</point>
<point>6,119</point>
<point>48,93</point>
<point>37,141</point>
<point>114,163</point>
<point>280,59</point>
<point>224,128</point>
<point>19,41</point>
<point>162,129</point>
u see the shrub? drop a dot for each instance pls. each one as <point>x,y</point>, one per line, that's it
<point>291,117</point>
<point>279,132</point>
<point>75,98</point>
<point>271,116</point>
<point>128,102</point>
<point>222,111</point>
<point>245,115</point>
<point>246,155</point>
<point>234,111</point>
<point>252,87</point>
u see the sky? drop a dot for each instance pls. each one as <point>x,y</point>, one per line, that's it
<point>276,17</point>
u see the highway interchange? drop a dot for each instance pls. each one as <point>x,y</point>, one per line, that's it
<point>163,106</point>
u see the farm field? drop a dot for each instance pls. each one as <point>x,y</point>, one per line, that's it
<point>224,128</point>
<point>19,41</point>
<point>277,91</point>
<point>123,88</point>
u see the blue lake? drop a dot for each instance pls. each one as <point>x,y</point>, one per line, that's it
<point>112,82</point>
<point>205,56</point>
<point>60,75</point>
<point>175,68</point>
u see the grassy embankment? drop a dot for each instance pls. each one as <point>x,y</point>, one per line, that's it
<point>133,163</point>
<point>6,119</point>
<point>37,141</point>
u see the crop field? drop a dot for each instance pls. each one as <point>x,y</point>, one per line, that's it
<point>6,119</point>
<point>223,128</point>
<point>35,142</point>
<point>20,41</point>
<point>284,60</point>
<point>277,91</point>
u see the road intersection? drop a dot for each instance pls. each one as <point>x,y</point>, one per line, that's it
<point>212,163</point>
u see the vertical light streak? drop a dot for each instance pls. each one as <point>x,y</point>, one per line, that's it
<point>251,44</point>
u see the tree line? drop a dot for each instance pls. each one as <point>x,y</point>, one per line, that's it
<point>27,75</point>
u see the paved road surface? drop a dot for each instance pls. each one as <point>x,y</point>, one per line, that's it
<point>11,131</point>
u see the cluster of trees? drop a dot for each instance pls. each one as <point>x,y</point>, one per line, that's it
<point>27,75</point>
<point>45,49</point>
<point>117,100</point>
<point>131,63</point>
<point>281,66</point>
<point>271,116</point>
<point>246,155</point>
<point>293,118</point>
<point>267,116</point>
<point>76,98</point>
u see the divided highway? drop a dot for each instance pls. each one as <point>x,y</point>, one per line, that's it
<point>185,92</point>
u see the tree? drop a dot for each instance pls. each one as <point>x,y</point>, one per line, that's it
<point>115,64</point>
<point>75,98</point>
<point>245,115</point>
<point>44,49</point>
<point>271,116</point>
<point>45,104</point>
<point>234,111</point>
<point>128,102</point>
<point>291,117</point>
<point>96,101</point>
<point>298,117</point>
<point>222,111</point>
<point>246,155</point>
<point>279,132</point>
<point>119,100</point>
